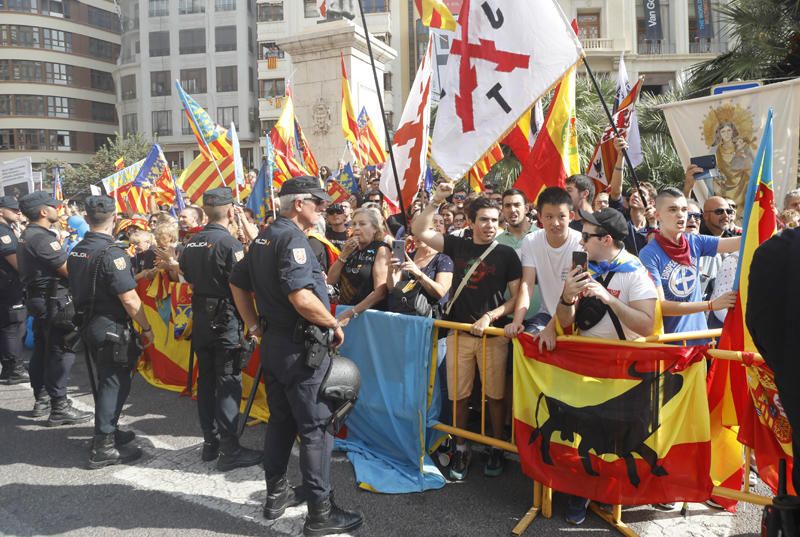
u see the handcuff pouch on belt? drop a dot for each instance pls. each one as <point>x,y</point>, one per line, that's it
<point>317,341</point>
<point>12,314</point>
<point>119,349</point>
<point>220,313</point>
<point>61,311</point>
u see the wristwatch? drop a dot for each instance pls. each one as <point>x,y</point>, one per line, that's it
<point>355,313</point>
<point>561,299</point>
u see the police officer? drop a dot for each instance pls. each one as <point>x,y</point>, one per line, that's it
<point>12,300</point>
<point>43,270</point>
<point>102,285</point>
<point>206,263</point>
<point>290,291</point>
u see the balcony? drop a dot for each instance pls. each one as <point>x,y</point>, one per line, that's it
<point>597,43</point>
<point>706,46</point>
<point>655,48</point>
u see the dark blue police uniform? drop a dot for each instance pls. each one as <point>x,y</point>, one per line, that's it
<point>206,263</point>
<point>12,303</point>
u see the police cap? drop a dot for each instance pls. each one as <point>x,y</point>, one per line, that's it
<point>305,184</point>
<point>9,202</point>
<point>218,196</point>
<point>96,205</point>
<point>34,200</point>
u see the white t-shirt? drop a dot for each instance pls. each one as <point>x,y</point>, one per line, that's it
<point>552,264</point>
<point>627,287</point>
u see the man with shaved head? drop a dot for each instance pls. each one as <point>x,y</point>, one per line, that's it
<point>717,217</point>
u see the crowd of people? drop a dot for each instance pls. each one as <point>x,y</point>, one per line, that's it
<point>487,259</point>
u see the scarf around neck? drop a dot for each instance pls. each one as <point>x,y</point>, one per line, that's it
<point>677,252</point>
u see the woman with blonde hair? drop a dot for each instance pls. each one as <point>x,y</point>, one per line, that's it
<point>362,267</point>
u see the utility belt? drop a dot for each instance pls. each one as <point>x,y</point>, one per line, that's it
<point>317,341</point>
<point>12,314</point>
<point>219,310</point>
<point>119,348</point>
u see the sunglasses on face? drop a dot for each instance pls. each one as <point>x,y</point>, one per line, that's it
<point>696,216</point>
<point>586,236</point>
<point>721,211</point>
<point>459,197</point>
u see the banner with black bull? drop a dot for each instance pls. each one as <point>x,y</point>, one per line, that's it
<point>619,425</point>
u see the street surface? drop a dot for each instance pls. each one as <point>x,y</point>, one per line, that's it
<point>45,490</point>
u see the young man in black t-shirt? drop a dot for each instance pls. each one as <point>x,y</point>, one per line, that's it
<point>479,303</point>
<point>335,225</point>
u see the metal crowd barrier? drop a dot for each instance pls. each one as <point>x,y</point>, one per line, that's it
<point>542,495</point>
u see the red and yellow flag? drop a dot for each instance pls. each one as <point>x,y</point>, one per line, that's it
<point>519,139</point>
<point>482,167</point>
<point>201,175</point>
<point>371,151</point>
<point>434,13</point>
<point>337,192</point>
<point>554,156</point>
<point>349,122</point>
<point>613,423</point>
<point>284,142</point>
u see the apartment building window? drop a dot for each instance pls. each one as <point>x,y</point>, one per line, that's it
<point>310,10</point>
<point>589,24</point>
<point>159,43</point>
<point>266,126</point>
<point>130,46</point>
<point>192,41</point>
<point>269,12</point>
<point>22,5</point>
<point>105,112</point>
<point>5,105</point>
<point>194,80</point>
<point>187,7</point>
<point>375,6</point>
<point>271,88</point>
<point>130,124</point>
<point>59,107</point>
<point>7,139</point>
<point>101,18</point>
<point>57,40</point>
<point>250,80</point>
<point>100,140</point>
<point>54,8</point>
<point>250,39</point>
<point>225,38</point>
<point>175,159</point>
<point>186,127</point>
<point>57,73</point>
<point>226,114</point>
<point>100,49</point>
<point>27,70</point>
<point>227,78</point>
<point>158,8</point>
<point>162,122</point>
<point>225,5</point>
<point>100,80</point>
<point>29,105</point>
<point>159,84</point>
<point>20,36</point>
<point>387,81</point>
<point>61,140</point>
<point>127,87</point>
<point>5,69</point>
<point>30,139</point>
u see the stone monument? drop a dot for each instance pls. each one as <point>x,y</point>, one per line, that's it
<point>317,82</point>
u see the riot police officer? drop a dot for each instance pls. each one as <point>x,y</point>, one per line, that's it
<point>290,292</point>
<point>12,300</point>
<point>206,263</point>
<point>43,271</point>
<point>102,285</point>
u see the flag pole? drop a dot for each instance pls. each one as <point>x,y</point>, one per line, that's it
<point>270,174</point>
<point>205,143</point>
<point>610,117</point>
<point>383,114</point>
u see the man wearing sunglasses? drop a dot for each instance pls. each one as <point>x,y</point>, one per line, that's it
<point>717,217</point>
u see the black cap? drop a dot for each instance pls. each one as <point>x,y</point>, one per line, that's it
<point>31,201</point>
<point>9,202</point>
<point>99,205</point>
<point>218,196</point>
<point>305,184</point>
<point>335,208</point>
<point>610,220</point>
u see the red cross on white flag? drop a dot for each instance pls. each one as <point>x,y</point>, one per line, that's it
<point>410,142</point>
<point>506,55</point>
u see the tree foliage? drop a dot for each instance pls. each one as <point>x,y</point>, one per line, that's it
<point>75,180</point>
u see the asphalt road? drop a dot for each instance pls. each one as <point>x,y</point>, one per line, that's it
<point>45,490</point>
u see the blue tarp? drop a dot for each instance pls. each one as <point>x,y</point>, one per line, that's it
<point>389,429</point>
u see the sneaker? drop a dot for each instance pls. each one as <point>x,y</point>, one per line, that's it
<point>576,510</point>
<point>714,505</point>
<point>495,463</point>
<point>460,465</point>
<point>670,506</point>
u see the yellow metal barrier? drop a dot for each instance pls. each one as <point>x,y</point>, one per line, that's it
<point>542,495</point>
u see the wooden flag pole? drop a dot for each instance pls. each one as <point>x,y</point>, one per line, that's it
<point>383,116</point>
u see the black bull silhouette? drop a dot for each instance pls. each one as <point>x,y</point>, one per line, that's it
<point>618,426</point>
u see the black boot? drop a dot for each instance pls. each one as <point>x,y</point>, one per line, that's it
<point>17,374</point>
<point>63,413</point>
<point>280,495</point>
<point>327,518</point>
<point>123,437</point>
<point>232,455</point>
<point>105,453</point>
<point>42,405</point>
<point>210,447</point>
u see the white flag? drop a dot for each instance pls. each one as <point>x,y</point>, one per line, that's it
<point>729,126</point>
<point>410,142</point>
<point>238,167</point>
<point>623,88</point>
<point>506,54</point>
<point>95,190</point>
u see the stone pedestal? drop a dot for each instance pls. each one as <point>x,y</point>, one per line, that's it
<point>317,83</point>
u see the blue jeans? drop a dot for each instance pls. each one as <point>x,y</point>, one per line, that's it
<point>536,324</point>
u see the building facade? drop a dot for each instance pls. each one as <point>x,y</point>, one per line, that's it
<point>210,47</point>
<point>57,93</point>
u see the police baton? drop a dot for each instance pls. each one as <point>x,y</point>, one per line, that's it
<point>250,400</point>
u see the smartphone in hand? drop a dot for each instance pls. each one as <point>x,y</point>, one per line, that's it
<point>399,251</point>
<point>580,259</point>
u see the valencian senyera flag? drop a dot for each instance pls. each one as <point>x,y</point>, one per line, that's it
<point>616,424</point>
<point>210,137</point>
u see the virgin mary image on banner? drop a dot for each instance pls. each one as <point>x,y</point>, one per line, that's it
<point>728,133</point>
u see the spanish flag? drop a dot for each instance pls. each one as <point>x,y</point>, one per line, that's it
<point>554,156</point>
<point>434,13</point>
<point>119,163</point>
<point>284,142</point>
<point>349,122</point>
<point>613,423</point>
<point>519,139</point>
<point>740,395</point>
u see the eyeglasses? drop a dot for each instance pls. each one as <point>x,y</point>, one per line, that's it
<point>696,216</point>
<point>586,236</point>
<point>459,197</point>
<point>721,211</point>
<point>316,201</point>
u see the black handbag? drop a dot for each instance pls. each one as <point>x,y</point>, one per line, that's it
<point>410,298</point>
<point>591,310</point>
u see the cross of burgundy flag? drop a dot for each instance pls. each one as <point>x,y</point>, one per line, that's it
<point>410,143</point>
<point>505,56</point>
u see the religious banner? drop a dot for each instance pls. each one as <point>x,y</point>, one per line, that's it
<point>504,57</point>
<point>729,127</point>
